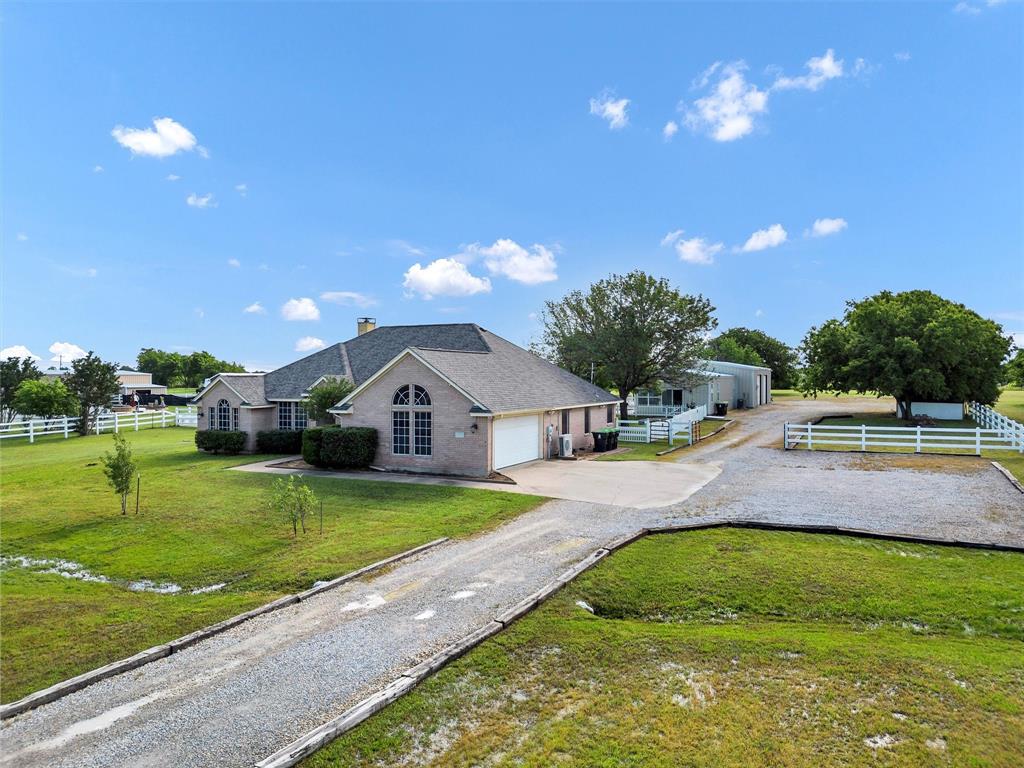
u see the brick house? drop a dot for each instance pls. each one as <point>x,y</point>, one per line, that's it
<point>444,399</point>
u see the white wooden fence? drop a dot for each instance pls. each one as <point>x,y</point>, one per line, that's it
<point>990,418</point>
<point>112,422</point>
<point>920,439</point>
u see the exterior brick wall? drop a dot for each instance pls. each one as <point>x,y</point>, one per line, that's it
<point>468,455</point>
<point>250,420</point>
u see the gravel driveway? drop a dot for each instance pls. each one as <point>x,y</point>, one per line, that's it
<point>237,697</point>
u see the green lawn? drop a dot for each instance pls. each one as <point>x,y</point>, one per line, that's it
<point>199,525</point>
<point>181,390</point>
<point>736,648</point>
<point>1011,403</point>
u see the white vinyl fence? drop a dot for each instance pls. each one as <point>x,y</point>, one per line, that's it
<point>679,427</point>
<point>112,422</point>
<point>631,431</point>
<point>918,439</point>
<point>989,418</point>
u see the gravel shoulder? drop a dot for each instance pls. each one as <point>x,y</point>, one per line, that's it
<point>237,697</point>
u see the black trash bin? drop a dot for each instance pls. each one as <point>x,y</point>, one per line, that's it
<point>740,403</point>
<point>615,439</point>
<point>600,442</point>
<point>721,408</point>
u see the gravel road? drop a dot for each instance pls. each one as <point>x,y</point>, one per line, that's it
<point>235,698</point>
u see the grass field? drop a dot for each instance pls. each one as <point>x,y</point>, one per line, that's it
<point>736,648</point>
<point>1011,403</point>
<point>199,525</point>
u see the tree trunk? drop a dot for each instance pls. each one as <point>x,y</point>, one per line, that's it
<point>907,414</point>
<point>623,405</point>
<point>124,503</point>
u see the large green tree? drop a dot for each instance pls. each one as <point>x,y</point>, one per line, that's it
<point>13,371</point>
<point>325,395</point>
<point>632,330</point>
<point>728,350</point>
<point>913,346</point>
<point>177,370</point>
<point>93,382</point>
<point>47,399</point>
<point>777,355</point>
<point>1013,371</point>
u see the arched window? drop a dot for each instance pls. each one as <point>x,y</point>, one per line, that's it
<point>412,428</point>
<point>223,416</point>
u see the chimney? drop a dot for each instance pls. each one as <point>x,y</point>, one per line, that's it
<point>365,325</point>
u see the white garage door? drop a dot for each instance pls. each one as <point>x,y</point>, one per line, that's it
<point>516,440</point>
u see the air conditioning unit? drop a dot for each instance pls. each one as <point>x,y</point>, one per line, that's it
<point>565,445</point>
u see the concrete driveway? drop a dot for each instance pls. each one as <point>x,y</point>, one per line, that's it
<point>636,484</point>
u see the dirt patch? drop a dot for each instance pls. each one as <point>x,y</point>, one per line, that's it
<point>957,465</point>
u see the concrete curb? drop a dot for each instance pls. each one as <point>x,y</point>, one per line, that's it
<point>1009,476</point>
<point>319,737</point>
<point>63,688</point>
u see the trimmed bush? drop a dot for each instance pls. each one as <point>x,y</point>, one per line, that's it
<point>348,447</point>
<point>217,441</point>
<point>279,441</point>
<point>312,441</point>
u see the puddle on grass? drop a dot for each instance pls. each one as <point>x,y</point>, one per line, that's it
<point>368,603</point>
<point>427,614</point>
<point>91,725</point>
<point>462,594</point>
<point>69,569</point>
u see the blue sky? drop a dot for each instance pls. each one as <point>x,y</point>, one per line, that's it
<point>167,167</point>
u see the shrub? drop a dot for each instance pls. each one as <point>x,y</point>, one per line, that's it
<point>279,441</point>
<point>348,447</point>
<point>217,441</point>
<point>312,441</point>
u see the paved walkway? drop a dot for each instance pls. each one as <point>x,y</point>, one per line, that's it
<point>236,698</point>
<point>641,485</point>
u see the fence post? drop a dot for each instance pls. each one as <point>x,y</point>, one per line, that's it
<point>810,437</point>
<point>863,437</point>
<point>136,421</point>
<point>97,424</point>
<point>917,446</point>
<point>977,440</point>
<point>785,436</point>
<point>65,427</point>
<point>31,432</point>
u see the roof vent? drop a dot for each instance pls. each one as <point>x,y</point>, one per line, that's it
<point>365,325</point>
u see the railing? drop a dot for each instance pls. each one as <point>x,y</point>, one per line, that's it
<point>634,431</point>
<point>657,410</point>
<point>920,439</point>
<point>992,419</point>
<point>111,422</point>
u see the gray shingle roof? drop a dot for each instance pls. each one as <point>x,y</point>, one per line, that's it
<point>511,378</point>
<point>290,381</point>
<point>498,374</point>
<point>248,385</point>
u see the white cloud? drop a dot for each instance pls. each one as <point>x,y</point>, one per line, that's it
<point>19,351</point>
<point>444,277</point>
<point>902,55</point>
<point>263,267</point>
<point>821,70</point>
<point>607,107</point>
<point>22,237</point>
<point>199,312</point>
<point>300,309</point>
<point>509,259</point>
<point>97,169</point>
<point>91,272</point>
<point>728,111</point>
<point>173,177</point>
<point>406,246</point>
<point>201,201</point>
<point>348,298</point>
<point>164,139</point>
<point>966,8</point>
<point>774,236</point>
<point>826,227</point>
<point>695,250</point>
<point>242,189</point>
<point>255,309</point>
<point>64,352</point>
<point>670,130</point>
<point>759,313</point>
<point>309,344</point>
<point>234,263</point>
